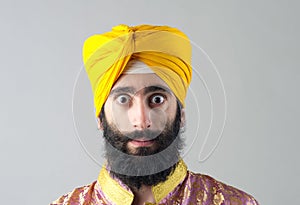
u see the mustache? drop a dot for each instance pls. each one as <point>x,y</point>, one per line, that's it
<point>143,134</point>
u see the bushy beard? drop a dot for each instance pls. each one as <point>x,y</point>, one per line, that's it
<point>146,165</point>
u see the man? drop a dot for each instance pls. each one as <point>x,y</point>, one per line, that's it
<point>139,76</point>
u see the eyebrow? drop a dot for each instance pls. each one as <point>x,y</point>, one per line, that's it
<point>155,88</point>
<point>118,90</point>
<point>132,90</point>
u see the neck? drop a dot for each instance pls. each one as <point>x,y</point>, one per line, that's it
<point>143,195</point>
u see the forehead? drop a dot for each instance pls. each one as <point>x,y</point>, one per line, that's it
<point>139,81</point>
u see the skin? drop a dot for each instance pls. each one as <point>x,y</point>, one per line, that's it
<point>140,102</point>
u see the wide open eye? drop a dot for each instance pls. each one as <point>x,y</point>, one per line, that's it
<point>123,99</point>
<point>157,99</point>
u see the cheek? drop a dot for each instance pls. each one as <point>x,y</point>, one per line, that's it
<point>117,116</point>
<point>172,113</point>
<point>158,118</point>
<point>161,117</point>
<point>109,112</point>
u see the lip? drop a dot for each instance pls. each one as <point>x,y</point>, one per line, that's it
<point>141,143</point>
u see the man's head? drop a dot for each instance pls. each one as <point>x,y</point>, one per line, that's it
<point>140,113</point>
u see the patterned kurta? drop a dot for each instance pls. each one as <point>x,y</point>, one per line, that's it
<point>182,187</point>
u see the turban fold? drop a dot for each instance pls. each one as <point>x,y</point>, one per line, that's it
<point>166,50</point>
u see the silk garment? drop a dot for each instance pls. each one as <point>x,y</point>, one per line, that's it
<point>182,187</point>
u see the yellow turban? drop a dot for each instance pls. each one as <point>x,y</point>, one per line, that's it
<point>166,50</point>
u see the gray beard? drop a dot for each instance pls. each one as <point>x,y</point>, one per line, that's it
<point>146,167</point>
<point>135,171</point>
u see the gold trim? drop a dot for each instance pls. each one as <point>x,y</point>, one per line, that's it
<point>113,190</point>
<point>161,190</point>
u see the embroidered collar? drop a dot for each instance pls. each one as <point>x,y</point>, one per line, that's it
<point>118,193</point>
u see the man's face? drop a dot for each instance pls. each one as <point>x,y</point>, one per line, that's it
<point>141,122</point>
<point>141,107</point>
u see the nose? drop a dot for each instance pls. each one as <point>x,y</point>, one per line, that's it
<point>139,115</point>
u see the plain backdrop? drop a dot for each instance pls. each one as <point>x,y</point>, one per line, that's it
<point>254,46</point>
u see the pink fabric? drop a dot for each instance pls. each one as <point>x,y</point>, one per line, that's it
<point>195,189</point>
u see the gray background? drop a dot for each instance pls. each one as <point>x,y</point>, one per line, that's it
<point>254,45</point>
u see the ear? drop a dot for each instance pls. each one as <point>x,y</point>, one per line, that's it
<point>182,118</point>
<point>99,124</point>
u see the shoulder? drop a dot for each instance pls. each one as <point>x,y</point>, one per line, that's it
<point>78,195</point>
<point>220,192</point>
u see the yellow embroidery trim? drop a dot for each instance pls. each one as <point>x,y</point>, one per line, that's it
<point>118,195</point>
<point>162,189</point>
<point>113,190</point>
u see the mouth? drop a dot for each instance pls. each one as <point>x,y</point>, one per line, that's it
<point>141,142</point>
